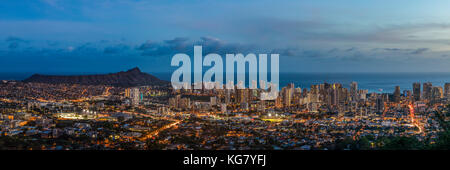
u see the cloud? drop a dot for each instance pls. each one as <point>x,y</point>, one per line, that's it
<point>86,48</point>
<point>13,45</point>
<point>54,3</point>
<point>177,40</point>
<point>14,39</point>
<point>350,49</point>
<point>116,49</point>
<point>420,51</point>
<point>405,51</point>
<point>166,47</point>
<point>289,52</point>
<point>14,42</point>
<point>147,45</point>
<point>333,50</point>
<point>309,33</point>
<point>150,50</point>
<point>185,45</point>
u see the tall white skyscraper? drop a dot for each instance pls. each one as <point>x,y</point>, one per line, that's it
<point>135,96</point>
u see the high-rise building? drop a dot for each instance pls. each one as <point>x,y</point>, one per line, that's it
<point>297,95</point>
<point>173,102</point>
<point>136,96</point>
<point>184,103</point>
<point>416,91</point>
<point>291,85</point>
<point>305,92</point>
<point>278,101</point>
<point>397,94</point>
<point>334,94</point>
<point>128,92</point>
<point>314,94</point>
<point>436,93</point>
<point>213,101</point>
<point>227,96</point>
<point>407,94</point>
<point>223,108</point>
<point>240,96</point>
<point>287,93</point>
<point>363,94</point>
<point>380,104</point>
<point>343,95</point>
<point>354,91</point>
<point>427,90</point>
<point>447,90</point>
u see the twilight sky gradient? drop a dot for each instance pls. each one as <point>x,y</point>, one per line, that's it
<point>49,36</point>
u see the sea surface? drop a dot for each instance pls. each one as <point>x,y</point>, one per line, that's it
<point>374,82</point>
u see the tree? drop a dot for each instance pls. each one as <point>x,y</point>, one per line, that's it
<point>364,143</point>
<point>403,143</point>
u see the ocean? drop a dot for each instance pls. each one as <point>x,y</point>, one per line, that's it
<point>374,82</point>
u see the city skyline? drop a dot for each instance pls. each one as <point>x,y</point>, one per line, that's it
<point>224,83</point>
<point>89,115</point>
<point>374,82</point>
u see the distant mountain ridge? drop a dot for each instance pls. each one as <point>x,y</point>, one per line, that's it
<point>130,78</point>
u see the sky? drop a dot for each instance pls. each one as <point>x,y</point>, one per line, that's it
<point>51,36</point>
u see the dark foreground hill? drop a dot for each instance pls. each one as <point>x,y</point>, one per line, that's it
<point>130,78</point>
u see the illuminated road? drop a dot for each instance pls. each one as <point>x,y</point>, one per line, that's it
<point>156,132</point>
<point>413,120</point>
